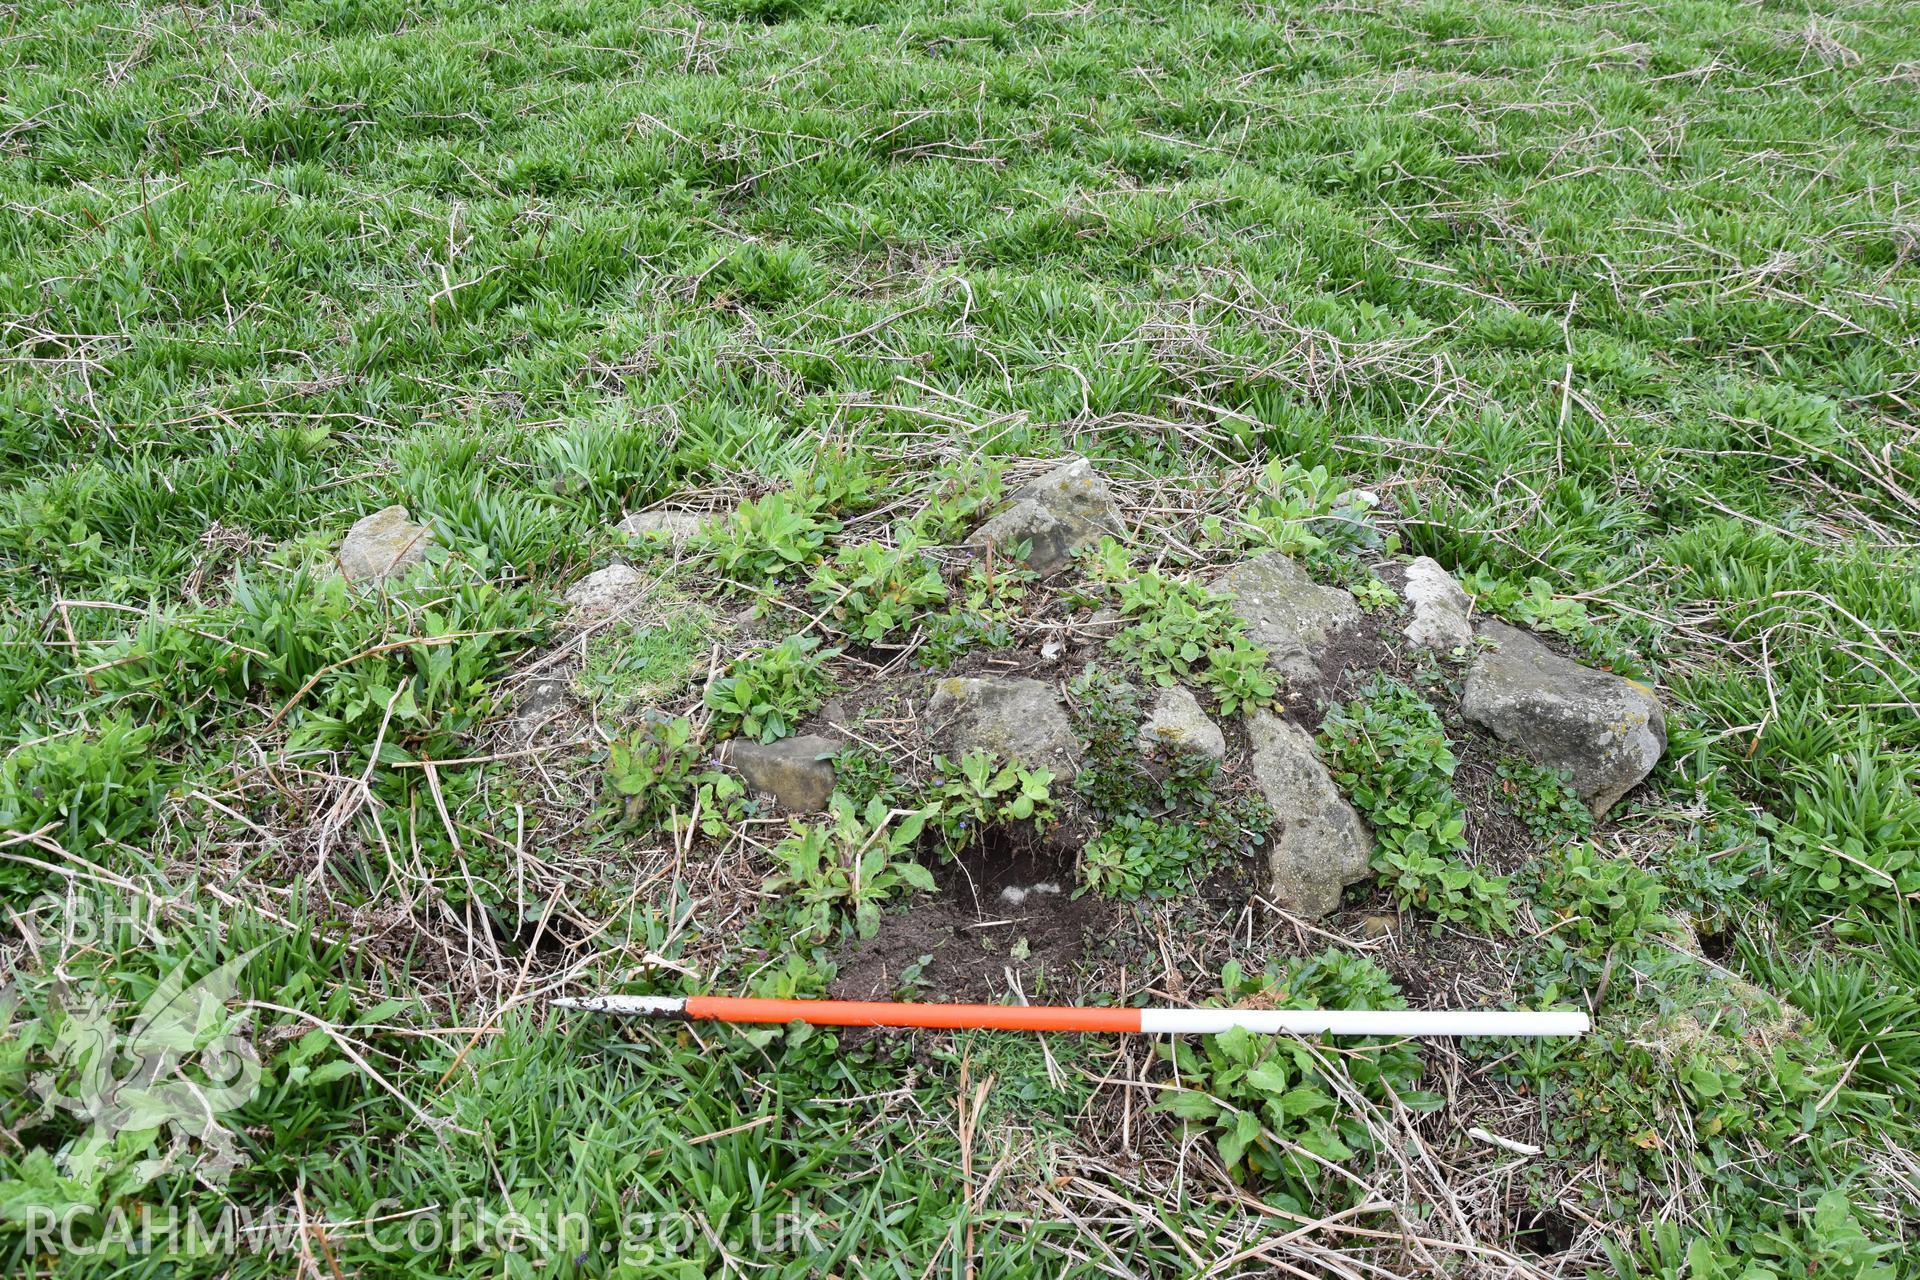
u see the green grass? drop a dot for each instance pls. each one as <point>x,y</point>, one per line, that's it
<point>1614,308</point>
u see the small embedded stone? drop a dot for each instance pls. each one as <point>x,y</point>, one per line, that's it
<point>1177,720</point>
<point>608,592</point>
<point>677,527</point>
<point>1321,845</point>
<point>1296,619</point>
<point>1441,610</point>
<point>796,772</point>
<point>383,545</point>
<point>1011,716</point>
<point>1063,511</point>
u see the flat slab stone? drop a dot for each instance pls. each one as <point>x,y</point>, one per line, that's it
<point>383,545</point>
<point>1011,716</point>
<point>1061,512</point>
<point>608,592</point>
<point>1295,618</point>
<point>1605,730</point>
<point>1176,720</point>
<point>1321,846</point>
<point>677,527</point>
<point>796,772</point>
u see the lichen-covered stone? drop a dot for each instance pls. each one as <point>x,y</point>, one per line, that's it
<point>796,772</point>
<point>1061,512</point>
<point>383,545</point>
<point>1605,730</point>
<point>1294,617</point>
<point>677,526</point>
<point>1321,845</point>
<point>1176,720</point>
<point>608,592</point>
<point>1441,610</point>
<point>1011,716</point>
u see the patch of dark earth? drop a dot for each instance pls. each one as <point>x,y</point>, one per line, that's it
<point>1002,923</point>
<point>1447,970</point>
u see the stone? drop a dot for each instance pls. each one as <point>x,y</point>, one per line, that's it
<point>1092,635</point>
<point>1011,716</point>
<point>1294,617</point>
<point>678,527</point>
<point>1376,928</point>
<point>608,592</point>
<point>1176,720</point>
<point>1606,730</point>
<point>796,772</point>
<point>383,545</point>
<point>1441,609</point>
<point>540,703</point>
<point>1061,512</point>
<point>1321,845</point>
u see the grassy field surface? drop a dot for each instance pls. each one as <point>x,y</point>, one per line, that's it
<point>1614,308</point>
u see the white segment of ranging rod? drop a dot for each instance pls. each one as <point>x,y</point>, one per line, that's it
<point>1382,1022</point>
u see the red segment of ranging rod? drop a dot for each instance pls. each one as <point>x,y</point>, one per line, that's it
<point>956,1017</point>
<point>877,1013</point>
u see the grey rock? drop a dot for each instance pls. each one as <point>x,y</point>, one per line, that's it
<point>1294,617</point>
<point>1440,608</point>
<point>541,701</point>
<point>383,545</point>
<point>678,526</point>
<point>1061,512</point>
<point>1607,731</point>
<point>1321,845</point>
<point>1176,720</point>
<point>796,772</point>
<point>1011,716</point>
<point>608,592</point>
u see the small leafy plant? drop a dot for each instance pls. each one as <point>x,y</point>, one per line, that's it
<point>763,696</point>
<point>1388,751</point>
<point>1543,799</point>
<point>1179,632</point>
<point>658,770</point>
<point>960,494</point>
<point>1264,1096</point>
<point>985,602</point>
<point>1143,857</point>
<point>873,592</point>
<point>767,538</point>
<point>1530,602</point>
<point>1168,783</point>
<point>1599,903</point>
<point>1302,512</point>
<point>861,773</point>
<point>850,867</point>
<point>980,791</point>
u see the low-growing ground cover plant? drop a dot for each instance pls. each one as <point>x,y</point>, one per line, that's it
<point>979,790</point>
<point>662,779</point>
<point>1285,1107</point>
<point>1180,631</point>
<point>774,535</point>
<point>765,694</point>
<point>874,592</point>
<point>1388,750</point>
<point>850,866</point>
